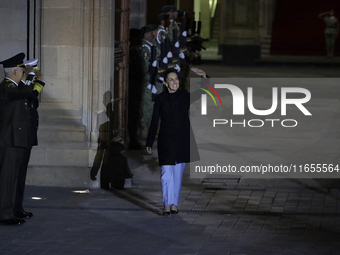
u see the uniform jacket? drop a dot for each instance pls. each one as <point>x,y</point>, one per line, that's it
<point>173,25</point>
<point>332,25</point>
<point>176,143</point>
<point>14,115</point>
<point>146,54</point>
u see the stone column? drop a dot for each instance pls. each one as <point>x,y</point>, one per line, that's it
<point>13,35</point>
<point>77,56</point>
<point>102,55</point>
<point>205,17</point>
<point>239,31</point>
<point>266,17</point>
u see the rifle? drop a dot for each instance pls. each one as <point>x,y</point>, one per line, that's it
<point>163,62</point>
<point>175,49</point>
<point>199,25</point>
<point>169,54</point>
<point>183,39</point>
<point>196,43</point>
<point>193,25</point>
<point>153,72</point>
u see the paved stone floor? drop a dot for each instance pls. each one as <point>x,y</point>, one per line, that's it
<point>225,216</point>
<point>215,218</point>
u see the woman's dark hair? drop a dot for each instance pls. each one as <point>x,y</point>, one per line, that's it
<point>170,70</point>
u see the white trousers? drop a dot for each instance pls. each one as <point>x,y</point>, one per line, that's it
<point>171,180</point>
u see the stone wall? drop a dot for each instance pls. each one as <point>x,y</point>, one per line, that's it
<point>13,29</point>
<point>74,41</point>
<point>138,13</point>
<point>245,28</point>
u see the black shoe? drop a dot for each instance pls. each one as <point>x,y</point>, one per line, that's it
<point>166,210</point>
<point>23,215</point>
<point>174,209</point>
<point>13,221</point>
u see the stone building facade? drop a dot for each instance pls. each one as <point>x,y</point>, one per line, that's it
<point>82,48</point>
<point>245,30</point>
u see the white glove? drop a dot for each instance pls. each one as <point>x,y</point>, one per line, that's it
<point>161,78</point>
<point>184,33</point>
<point>154,90</point>
<point>154,63</point>
<point>149,86</point>
<point>177,44</point>
<point>181,55</point>
<point>169,54</point>
<point>177,68</point>
<point>165,60</point>
<point>27,82</point>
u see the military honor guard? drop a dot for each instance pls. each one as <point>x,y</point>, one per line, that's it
<point>162,32</point>
<point>149,33</point>
<point>173,27</point>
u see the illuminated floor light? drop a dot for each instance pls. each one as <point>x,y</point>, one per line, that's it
<point>81,191</point>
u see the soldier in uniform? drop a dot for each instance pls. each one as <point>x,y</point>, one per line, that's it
<point>331,31</point>
<point>149,33</point>
<point>174,35</point>
<point>162,32</point>
<point>15,133</point>
<point>32,104</point>
<point>162,36</point>
<point>173,14</point>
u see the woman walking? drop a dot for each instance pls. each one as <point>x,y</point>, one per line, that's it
<point>176,144</point>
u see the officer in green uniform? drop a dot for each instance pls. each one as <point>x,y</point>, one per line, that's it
<point>15,133</point>
<point>331,31</point>
<point>149,33</point>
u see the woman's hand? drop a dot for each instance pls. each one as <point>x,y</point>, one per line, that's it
<point>198,72</point>
<point>149,150</point>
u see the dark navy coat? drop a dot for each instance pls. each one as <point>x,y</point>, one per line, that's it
<point>176,142</point>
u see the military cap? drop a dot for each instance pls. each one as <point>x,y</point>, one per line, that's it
<point>169,8</point>
<point>180,13</point>
<point>162,16</point>
<point>32,62</point>
<point>17,60</point>
<point>148,28</point>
